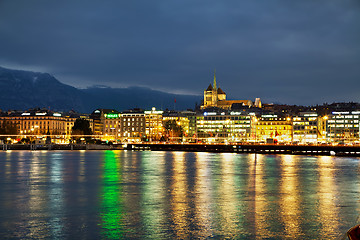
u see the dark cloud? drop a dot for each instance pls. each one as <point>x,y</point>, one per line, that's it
<point>302,52</point>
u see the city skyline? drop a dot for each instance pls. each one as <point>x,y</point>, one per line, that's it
<point>301,53</point>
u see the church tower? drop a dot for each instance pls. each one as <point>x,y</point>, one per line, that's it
<point>213,94</point>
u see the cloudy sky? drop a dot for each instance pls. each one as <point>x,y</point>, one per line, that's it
<point>294,52</point>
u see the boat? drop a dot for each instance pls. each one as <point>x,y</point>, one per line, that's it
<point>354,233</point>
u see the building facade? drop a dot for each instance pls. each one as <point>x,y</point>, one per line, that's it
<point>306,128</point>
<point>343,127</point>
<point>154,124</point>
<point>273,127</point>
<point>133,125</point>
<point>40,123</point>
<point>106,124</point>
<point>223,127</point>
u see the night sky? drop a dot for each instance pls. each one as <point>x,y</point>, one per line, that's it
<point>283,51</point>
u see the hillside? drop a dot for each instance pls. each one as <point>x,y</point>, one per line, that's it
<point>22,90</point>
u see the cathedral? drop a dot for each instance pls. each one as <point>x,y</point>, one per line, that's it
<point>216,97</point>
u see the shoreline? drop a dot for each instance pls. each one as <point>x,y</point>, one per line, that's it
<point>319,150</point>
<point>61,147</point>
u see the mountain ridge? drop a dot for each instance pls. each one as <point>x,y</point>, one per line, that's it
<point>22,90</point>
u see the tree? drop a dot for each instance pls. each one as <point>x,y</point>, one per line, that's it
<point>7,128</point>
<point>173,128</point>
<point>81,127</point>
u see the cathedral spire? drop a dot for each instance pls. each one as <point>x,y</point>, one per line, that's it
<point>214,85</point>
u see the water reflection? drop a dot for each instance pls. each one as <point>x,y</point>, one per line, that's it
<point>179,201</point>
<point>203,201</point>
<point>56,195</point>
<point>327,194</point>
<point>175,195</point>
<point>290,199</point>
<point>38,197</point>
<point>227,197</point>
<point>258,186</point>
<point>153,200</point>
<point>112,199</point>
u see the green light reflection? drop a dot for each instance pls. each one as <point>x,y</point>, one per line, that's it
<point>112,207</point>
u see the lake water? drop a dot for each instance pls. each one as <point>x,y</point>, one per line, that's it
<point>176,195</point>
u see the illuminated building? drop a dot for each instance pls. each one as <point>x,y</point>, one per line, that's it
<point>153,124</point>
<point>111,128</point>
<point>191,116</point>
<point>216,97</point>
<point>133,125</point>
<point>272,126</point>
<point>223,126</point>
<point>180,118</point>
<point>42,122</point>
<point>305,128</point>
<point>343,127</point>
<point>322,134</point>
<point>106,124</point>
<point>97,116</point>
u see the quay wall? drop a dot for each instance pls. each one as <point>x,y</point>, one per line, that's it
<point>6,147</point>
<point>252,148</point>
<point>325,150</point>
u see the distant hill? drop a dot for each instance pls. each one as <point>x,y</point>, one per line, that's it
<point>138,97</point>
<point>22,90</point>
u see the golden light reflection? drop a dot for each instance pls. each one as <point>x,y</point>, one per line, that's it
<point>290,200</point>
<point>327,192</point>
<point>227,197</point>
<point>21,164</point>
<point>131,173</point>
<point>8,165</point>
<point>38,224</point>
<point>203,190</point>
<point>257,188</point>
<point>152,201</point>
<point>81,175</point>
<point>179,196</point>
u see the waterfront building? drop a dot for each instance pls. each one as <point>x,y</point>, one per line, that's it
<point>215,97</point>
<point>106,124</point>
<point>305,128</point>
<point>321,125</point>
<point>133,125</point>
<point>181,119</point>
<point>343,127</point>
<point>191,116</point>
<point>42,122</point>
<point>271,127</point>
<point>97,116</point>
<point>223,126</point>
<point>154,124</point>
